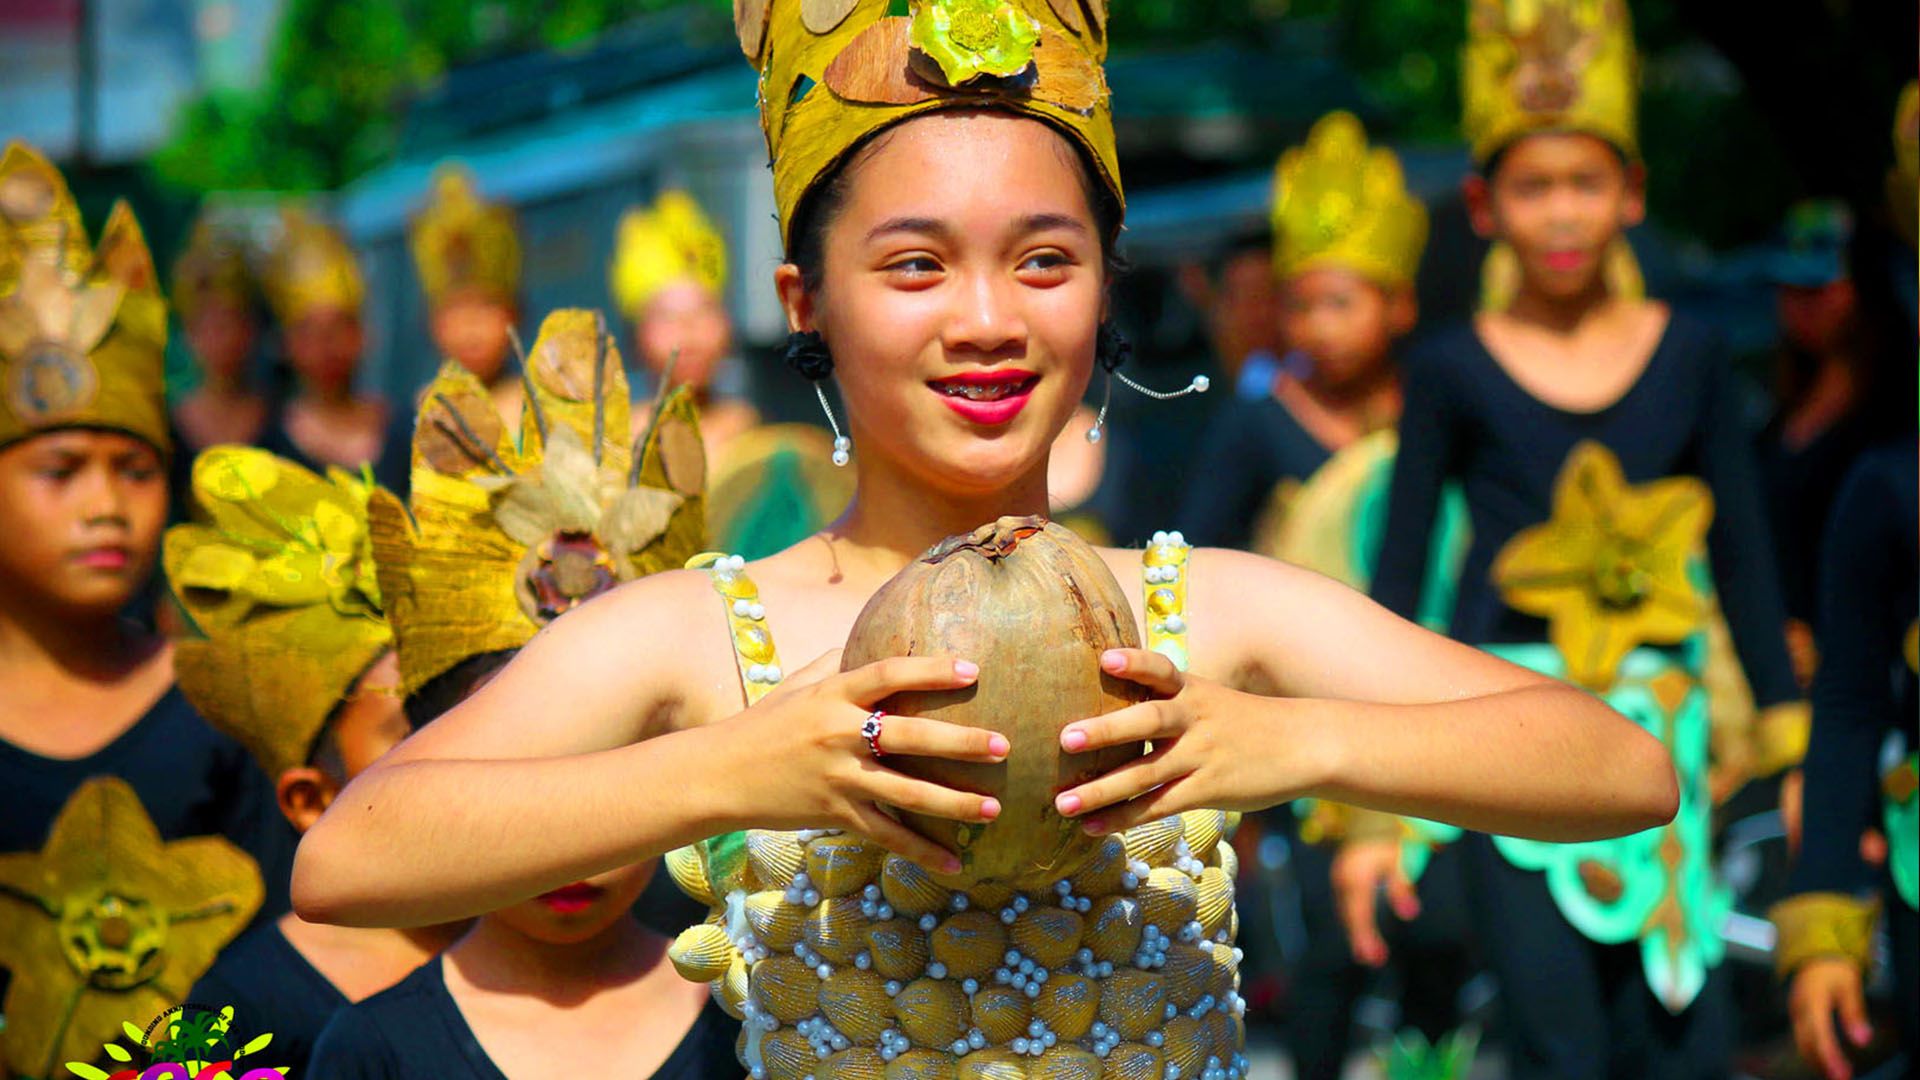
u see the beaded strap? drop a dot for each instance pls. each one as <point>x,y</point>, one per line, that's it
<point>753,648</point>
<point>1164,572</point>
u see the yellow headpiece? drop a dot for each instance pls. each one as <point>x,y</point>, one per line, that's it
<point>1548,65</point>
<point>1903,180</point>
<point>213,267</point>
<point>461,241</point>
<point>277,575</point>
<point>1338,202</point>
<point>668,242</point>
<point>833,72</point>
<point>83,332</point>
<point>311,268</point>
<point>509,531</point>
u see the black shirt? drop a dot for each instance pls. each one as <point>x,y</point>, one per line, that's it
<point>1466,418</point>
<point>272,988</point>
<point>415,1029</point>
<point>1249,448</point>
<point>1869,598</point>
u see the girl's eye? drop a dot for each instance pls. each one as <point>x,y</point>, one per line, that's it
<point>914,265</point>
<point>1049,266</point>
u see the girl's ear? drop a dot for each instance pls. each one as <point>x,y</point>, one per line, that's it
<point>794,298</point>
<point>1633,208</point>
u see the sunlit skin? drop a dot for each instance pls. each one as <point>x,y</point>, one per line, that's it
<point>1559,199</point>
<point>324,346</point>
<point>471,328</point>
<point>223,408</point>
<point>996,268</point>
<point>80,519</point>
<point>685,324</point>
<point>222,334</point>
<point>1345,324</point>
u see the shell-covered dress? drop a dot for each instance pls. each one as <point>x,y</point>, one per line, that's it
<point>844,961</point>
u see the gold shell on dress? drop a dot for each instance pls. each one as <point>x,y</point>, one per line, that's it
<point>701,953</point>
<point>1133,1061</point>
<point>970,944</point>
<point>898,948</point>
<point>1133,1002</point>
<point>1215,891</point>
<point>1102,873</point>
<point>775,923</point>
<point>910,889</point>
<point>836,929</point>
<point>1186,1045</point>
<point>1202,829</point>
<point>1114,927</point>
<point>1066,1063</point>
<point>1001,1013</point>
<point>856,1063</point>
<point>731,989</point>
<point>841,864</point>
<point>921,1065</point>
<point>786,987</point>
<point>1068,1004</point>
<point>689,872</point>
<point>775,857</point>
<point>1189,972</point>
<point>1152,842</point>
<point>932,1012</point>
<point>857,1004</point>
<point>1047,935</point>
<point>1228,860</point>
<point>787,1055</point>
<point>1226,970</point>
<point>992,1064</point>
<point>1169,898</point>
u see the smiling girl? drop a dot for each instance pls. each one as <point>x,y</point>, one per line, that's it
<point>949,196</point>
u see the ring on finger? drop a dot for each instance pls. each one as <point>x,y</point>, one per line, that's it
<point>870,731</point>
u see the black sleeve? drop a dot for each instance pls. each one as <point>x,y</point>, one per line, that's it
<point>1739,542</point>
<point>1232,477</point>
<point>352,1047</point>
<point>1429,428</point>
<point>1853,693</point>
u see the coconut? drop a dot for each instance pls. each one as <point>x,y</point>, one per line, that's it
<point>1034,606</point>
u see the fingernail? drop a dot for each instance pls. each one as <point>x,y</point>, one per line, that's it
<point>989,808</point>
<point>1067,803</point>
<point>966,669</point>
<point>998,746</point>
<point>1862,1034</point>
<point>1074,739</point>
<point>1113,660</point>
<point>1096,827</point>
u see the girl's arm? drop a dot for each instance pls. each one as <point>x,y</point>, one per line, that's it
<point>546,775</point>
<point>1378,712</point>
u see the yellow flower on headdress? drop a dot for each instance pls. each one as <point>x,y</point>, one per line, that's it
<point>82,331</point>
<point>460,241</point>
<point>106,923</point>
<point>1609,570</point>
<point>972,38</point>
<point>669,242</point>
<point>1339,202</point>
<point>213,267</point>
<point>1548,65</point>
<point>278,579</point>
<point>311,267</point>
<point>509,531</point>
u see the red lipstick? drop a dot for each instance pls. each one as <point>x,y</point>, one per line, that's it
<point>1564,261</point>
<point>102,558</point>
<point>572,899</point>
<point>988,398</point>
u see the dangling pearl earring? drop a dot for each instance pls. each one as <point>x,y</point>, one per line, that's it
<point>1112,350</point>
<point>807,354</point>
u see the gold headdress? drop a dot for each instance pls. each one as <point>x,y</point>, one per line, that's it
<point>461,241</point>
<point>310,268</point>
<point>1903,180</point>
<point>278,578</point>
<point>82,332</point>
<point>1548,65</point>
<point>1338,202</point>
<point>833,72</point>
<point>213,266</point>
<point>668,242</point>
<point>507,532</point>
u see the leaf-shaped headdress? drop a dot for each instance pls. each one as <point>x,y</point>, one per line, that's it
<point>659,245</point>
<point>462,242</point>
<point>1339,202</point>
<point>214,266</point>
<point>510,530</point>
<point>1548,65</point>
<point>311,267</point>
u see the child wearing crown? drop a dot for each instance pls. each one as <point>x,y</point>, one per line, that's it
<point>467,253</point>
<point>1599,444</point>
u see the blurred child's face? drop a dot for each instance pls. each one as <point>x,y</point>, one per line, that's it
<point>221,334</point>
<point>580,911</point>
<point>80,519</point>
<point>1245,309</point>
<point>1815,318</point>
<point>471,328</point>
<point>1558,199</point>
<point>688,320</point>
<point>1343,322</point>
<point>324,348</point>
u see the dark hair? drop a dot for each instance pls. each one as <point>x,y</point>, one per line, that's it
<point>452,686</point>
<point>821,204</point>
<point>1491,166</point>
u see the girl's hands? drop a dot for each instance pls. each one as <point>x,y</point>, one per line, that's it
<point>806,765</point>
<point>1362,871</point>
<point>1210,749</point>
<point>1825,999</point>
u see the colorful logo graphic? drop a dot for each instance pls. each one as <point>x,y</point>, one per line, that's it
<point>187,1042</point>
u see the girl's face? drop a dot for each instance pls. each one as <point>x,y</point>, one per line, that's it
<point>221,334</point>
<point>686,325</point>
<point>1343,322</point>
<point>324,348</point>
<point>80,519</point>
<point>1558,199</point>
<point>961,296</point>
<point>470,328</point>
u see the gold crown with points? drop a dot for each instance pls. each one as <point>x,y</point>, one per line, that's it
<point>310,268</point>
<point>277,577</point>
<point>214,266</point>
<point>1548,65</point>
<point>83,331</point>
<point>659,245</point>
<point>1339,202</point>
<point>508,531</point>
<point>462,242</point>
<point>833,72</point>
